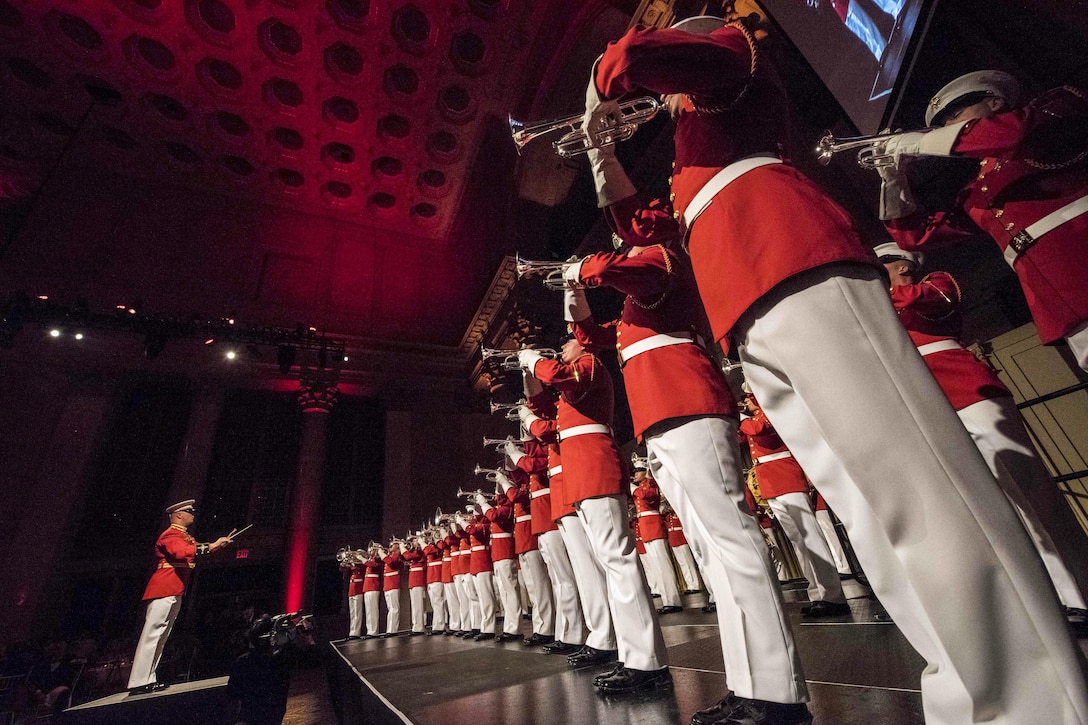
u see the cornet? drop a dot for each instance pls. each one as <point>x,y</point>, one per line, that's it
<point>510,408</point>
<point>552,272</point>
<point>576,141</point>
<point>868,158</point>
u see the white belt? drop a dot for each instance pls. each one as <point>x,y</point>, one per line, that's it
<point>940,346</point>
<point>434,563</point>
<point>648,513</point>
<point>1025,240</point>
<point>774,457</point>
<point>415,568</point>
<point>479,548</point>
<point>676,529</point>
<point>540,492</point>
<point>521,519</point>
<point>583,430</point>
<point>555,471</point>
<point>722,179</point>
<point>355,581</point>
<point>373,575</point>
<point>652,343</point>
<point>502,536</point>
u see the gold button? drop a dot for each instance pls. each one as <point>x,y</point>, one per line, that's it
<point>1009,226</point>
<point>999,213</point>
<point>981,177</point>
<point>676,215</point>
<point>670,181</point>
<point>672,197</point>
<point>985,161</point>
<point>984,189</point>
<point>997,166</point>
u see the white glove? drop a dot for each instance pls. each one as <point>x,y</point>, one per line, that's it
<point>896,199</point>
<point>470,509</point>
<point>511,449</point>
<point>460,520</point>
<point>529,358</point>
<point>575,305</point>
<point>527,416</point>
<point>609,178</point>
<point>531,385</point>
<point>938,142</point>
<point>572,275</point>
<point>482,503</point>
<point>504,482</point>
<point>443,531</point>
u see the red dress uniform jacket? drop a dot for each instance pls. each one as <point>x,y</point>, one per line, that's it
<point>417,568</point>
<point>355,582</point>
<point>661,300</point>
<point>393,566</point>
<point>435,562</point>
<point>501,520</point>
<point>521,497</point>
<point>372,580</point>
<point>175,550</point>
<point>647,500</point>
<point>546,431</point>
<point>929,311</point>
<point>591,462</point>
<point>769,224</point>
<point>777,477</point>
<point>1012,192</point>
<point>448,559</point>
<point>479,536</point>
<point>676,529</point>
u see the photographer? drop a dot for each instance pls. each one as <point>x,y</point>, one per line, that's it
<point>261,678</point>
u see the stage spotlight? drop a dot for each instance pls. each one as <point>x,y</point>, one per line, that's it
<point>54,333</point>
<point>285,357</point>
<point>79,335</point>
<point>209,341</point>
<point>231,354</point>
<point>345,358</point>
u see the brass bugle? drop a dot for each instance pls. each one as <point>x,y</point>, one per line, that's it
<point>551,272</point>
<point>575,141</point>
<point>510,408</point>
<point>868,158</point>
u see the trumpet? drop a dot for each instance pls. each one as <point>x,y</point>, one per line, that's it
<point>491,474</point>
<point>552,272</point>
<point>868,158</point>
<point>575,141</point>
<point>508,359</point>
<point>500,443</point>
<point>510,408</point>
<point>347,555</point>
<point>477,492</point>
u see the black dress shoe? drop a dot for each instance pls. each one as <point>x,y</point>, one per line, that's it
<point>559,647</point>
<point>416,634</point>
<point>353,636</point>
<point>671,609</point>
<point>627,680</point>
<point>608,673</point>
<point>470,634</point>
<point>735,710</point>
<point>592,656</point>
<point>538,639</point>
<point>450,632</point>
<point>710,607</point>
<point>141,690</point>
<point>504,637</point>
<point>819,609</point>
<point>369,636</point>
<point>483,636</point>
<point>159,686</point>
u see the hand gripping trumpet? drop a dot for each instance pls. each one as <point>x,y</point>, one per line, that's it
<point>551,272</point>
<point>510,408</point>
<point>508,359</point>
<point>575,141</point>
<point>870,155</point>
<point>471,495</point>
<point>348,556</point>
<point>500,443</point>
<point>491,474</point>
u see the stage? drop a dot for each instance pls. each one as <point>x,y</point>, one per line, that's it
<point>859,672</point>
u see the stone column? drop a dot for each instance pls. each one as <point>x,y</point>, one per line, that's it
<point>191,472</point>
<point>317,395</point>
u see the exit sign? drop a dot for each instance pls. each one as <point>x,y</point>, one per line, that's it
<point>241,554</point>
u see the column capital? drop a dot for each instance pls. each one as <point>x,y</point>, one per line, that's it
<point>317,393</point>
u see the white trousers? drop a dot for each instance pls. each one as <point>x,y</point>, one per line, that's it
<point>649,570</point>
<point>686,562</point>
<point>158,622</point>
<point>506,576</point>
<point>456,620</point>
<point>419,611</point>
<point>534,572</point>
<point>998,430</point>
<point>697,465</point>
<point>1078,344</point>
<point>849,394</point>
<point>657,552</point>
<point>470,602</point>
<point>831,536</point>
<point>797,519</point>
<point>485,594</point>
<point>355,615</point>
<point>436,592</point>
<point>370,607</point>
<point>638,634</point>
<point>570,624</point>
<point>392,604</point>
<point>592,588</point>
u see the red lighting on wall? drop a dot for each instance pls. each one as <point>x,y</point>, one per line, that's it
<point>296,568</point>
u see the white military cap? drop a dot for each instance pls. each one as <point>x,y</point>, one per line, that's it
<point>187,503</point>
<point>699,25</point>
<point>891,249</point>
<point>990,82</point>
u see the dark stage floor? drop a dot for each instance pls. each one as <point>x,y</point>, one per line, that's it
<point>860,673</point>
